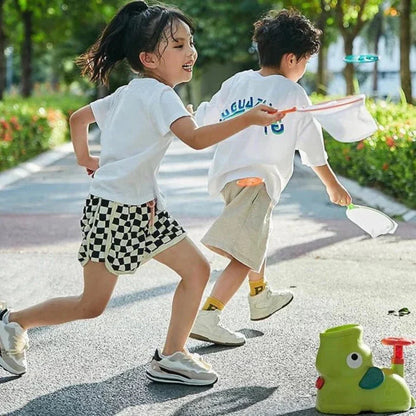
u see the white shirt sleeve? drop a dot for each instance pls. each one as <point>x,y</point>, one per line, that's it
<point>310,141</point>
<point>167,108</point>
<point>208,112</point>
<point>100,109</point>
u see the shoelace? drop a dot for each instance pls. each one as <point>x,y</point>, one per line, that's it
<point>196,358</point>
<point>219,323</point>
<point>21,344</point>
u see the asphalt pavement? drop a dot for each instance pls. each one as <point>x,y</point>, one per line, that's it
<point>338,274</point>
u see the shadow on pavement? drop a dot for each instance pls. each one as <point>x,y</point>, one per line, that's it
<point>106,398</point>
<point>304,412</point>
<point>8,379</point>
<point>122,300</point>
<point>225,402</point>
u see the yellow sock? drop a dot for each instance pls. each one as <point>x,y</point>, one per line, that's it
<point>211,304</point>
<point>257,286</point>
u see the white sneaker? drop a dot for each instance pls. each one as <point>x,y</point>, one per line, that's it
<point>13,345</point>
<point>208,327</point>
<point>181,368</point>
<point>267,302</point>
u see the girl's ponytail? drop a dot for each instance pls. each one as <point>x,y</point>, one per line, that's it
<point>108,50</point>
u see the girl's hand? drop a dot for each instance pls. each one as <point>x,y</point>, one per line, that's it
<point>339,195</point>
<point>91,165</point>
<point>190,109</point>
<point>263,115</point>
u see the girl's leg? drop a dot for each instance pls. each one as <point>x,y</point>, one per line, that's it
<point>98,287</point>
<point>229,281</point>
<point>191,265</point>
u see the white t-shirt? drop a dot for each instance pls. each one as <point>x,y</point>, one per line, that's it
<point>266,152</point>
<point>135,133</point>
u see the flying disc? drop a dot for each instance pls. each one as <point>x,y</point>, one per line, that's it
<point>346,119</point>
<point>250,181</point>
<point>360,59</point>
<point>372,221</point>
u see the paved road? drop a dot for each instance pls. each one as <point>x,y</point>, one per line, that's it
<point>338,275</point>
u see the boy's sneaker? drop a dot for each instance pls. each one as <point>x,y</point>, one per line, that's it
<point>208,327</point>
<point>267,302</point>
<point>13,345</point>
<point>181,368</point>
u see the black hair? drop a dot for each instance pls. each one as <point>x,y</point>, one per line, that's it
<point>136,28</point>
<point>286,31</point>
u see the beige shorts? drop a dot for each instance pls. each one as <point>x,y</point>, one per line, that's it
<point>242,230</point>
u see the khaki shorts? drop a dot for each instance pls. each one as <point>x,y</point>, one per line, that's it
<point>242,230</point>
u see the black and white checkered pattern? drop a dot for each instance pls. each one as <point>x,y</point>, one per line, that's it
<point>121,235</point>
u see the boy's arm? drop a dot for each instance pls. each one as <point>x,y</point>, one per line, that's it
<point>336,192</point>
<point>79,122</point>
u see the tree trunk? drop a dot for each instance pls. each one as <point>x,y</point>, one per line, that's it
<point>2,49</point>
<point>379,31</point>
<point>349,70</point>
<point>321,76</point>
<point>405,74</point>
<point>26,56</point>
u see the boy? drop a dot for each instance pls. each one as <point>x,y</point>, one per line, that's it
<point>263,158</point>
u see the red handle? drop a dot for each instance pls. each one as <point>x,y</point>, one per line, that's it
<point>398,344</point>
<point>288,110</point>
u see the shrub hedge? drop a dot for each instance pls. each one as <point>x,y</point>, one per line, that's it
<point>386,160</point>
<point>29,127</point>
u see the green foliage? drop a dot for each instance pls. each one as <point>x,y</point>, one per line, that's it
<point>29,127</point>
<point>387,159</point>
<point>223,29</point>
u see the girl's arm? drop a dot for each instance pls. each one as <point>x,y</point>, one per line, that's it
<point>196,137</point>
<point>336,192</point>
<point>79,122</point>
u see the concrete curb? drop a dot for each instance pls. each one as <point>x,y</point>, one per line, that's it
<point>372,197</point>
<point>34,165</point>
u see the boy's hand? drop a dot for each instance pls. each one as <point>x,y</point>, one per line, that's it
<point>339,195</point>
<point>263,115</point>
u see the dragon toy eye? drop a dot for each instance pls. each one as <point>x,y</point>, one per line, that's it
<point>354,360</point>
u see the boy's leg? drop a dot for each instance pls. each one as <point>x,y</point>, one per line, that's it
<point>208,326</point>
<point>98,287</point>
<point>175,364</point>
<point>229,281</point>
<point>262,300</point>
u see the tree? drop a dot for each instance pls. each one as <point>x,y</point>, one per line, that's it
<point>2,50</point>
<point>405,44</point>
<point>224,29</point>
<point>351,17</point>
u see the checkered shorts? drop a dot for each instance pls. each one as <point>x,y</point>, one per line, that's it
<point>124,236</point>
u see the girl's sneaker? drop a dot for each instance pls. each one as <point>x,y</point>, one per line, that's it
<point>181,368</point>
<point>13,345</point>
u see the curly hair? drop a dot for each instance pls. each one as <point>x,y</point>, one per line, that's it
<point>286,31</point>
